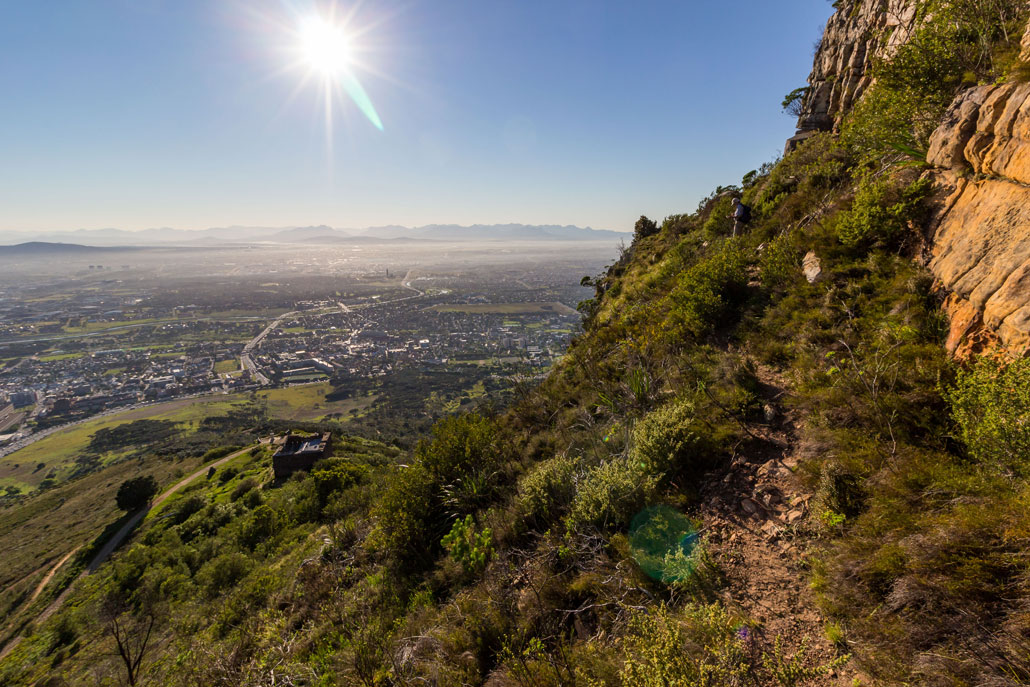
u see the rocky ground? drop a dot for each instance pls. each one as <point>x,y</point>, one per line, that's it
<point>758,515</point>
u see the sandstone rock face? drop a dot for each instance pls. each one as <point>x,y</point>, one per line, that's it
<point>859,32</point>
<point>981,229</point>
<point>1024,54</point>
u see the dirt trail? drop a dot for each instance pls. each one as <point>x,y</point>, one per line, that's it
<point>757,512</point>
<point>50,575</point>
<point>111,545</point>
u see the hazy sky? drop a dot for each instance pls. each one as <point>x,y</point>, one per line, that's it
<point>194,113</point>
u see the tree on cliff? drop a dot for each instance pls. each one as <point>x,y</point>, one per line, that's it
<point>136,493</point>
<point>644,227</point>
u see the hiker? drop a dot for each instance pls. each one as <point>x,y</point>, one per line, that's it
<point>741,216</point>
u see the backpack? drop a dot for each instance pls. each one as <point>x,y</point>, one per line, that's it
<point>745,214</point>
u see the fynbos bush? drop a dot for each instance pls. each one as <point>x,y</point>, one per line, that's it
<point>667,440</point>
<point>991,404</point>
<point>547,491</point>
<point>611,493</point>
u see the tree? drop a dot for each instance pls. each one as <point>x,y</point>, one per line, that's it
<point>644,227</point>
<point>794,101</point>
<point>131,625</point>
<point>136,493</point>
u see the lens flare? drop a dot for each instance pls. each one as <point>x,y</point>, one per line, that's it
<point>328,51</point>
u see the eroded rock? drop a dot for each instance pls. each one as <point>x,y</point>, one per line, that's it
<point>860,32</point>
<point>980,230</point>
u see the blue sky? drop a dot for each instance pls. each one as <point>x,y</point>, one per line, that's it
<point>192,113</point>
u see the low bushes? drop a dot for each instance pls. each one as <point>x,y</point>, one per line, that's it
<point>670,440</point>
<point>547,490</point>
<point>881,212</point>
<point>707,293</point>
<point>610,494</point>
<point>991,404</point>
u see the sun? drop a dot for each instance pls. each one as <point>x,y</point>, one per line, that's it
<point>325,46</point>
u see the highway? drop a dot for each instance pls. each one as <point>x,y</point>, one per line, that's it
<point>248,362</point>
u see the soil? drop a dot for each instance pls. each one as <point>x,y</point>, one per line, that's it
<point>758,515</point>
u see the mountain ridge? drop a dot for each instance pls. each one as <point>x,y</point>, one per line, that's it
<point>238,234</point>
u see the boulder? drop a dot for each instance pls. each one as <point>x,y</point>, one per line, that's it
<point>812,268</point>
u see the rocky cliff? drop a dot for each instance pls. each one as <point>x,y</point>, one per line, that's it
<point>857,34</point>
<point>979,233</point>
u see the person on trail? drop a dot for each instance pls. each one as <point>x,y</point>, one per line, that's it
<point>741,216</point>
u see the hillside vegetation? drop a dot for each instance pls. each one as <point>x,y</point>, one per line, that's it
<point>611,526</point>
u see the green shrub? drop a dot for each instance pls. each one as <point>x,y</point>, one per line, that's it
<point>669,440</point>
<point>780,263</point>
<point>703,648</point>
<point>955,45</point>
<point>404,520</point>
<point>461,445</point>
<point>136,493</point>
<point>334,476</point>
<point>242,488</point>
<point>218,452</point>
<point>227,474</point>
<point>223,572</point>
<point>260,525</point>
<point>802,178</point>
<point>610,494</point>
<point>719,222</point>
<point>547,490</point>
<point>187,507</point>
<point>707,293</point>
<point>881,212</point>
<point>644,227</point>
<point>991,404</point>
<point>469,547</point>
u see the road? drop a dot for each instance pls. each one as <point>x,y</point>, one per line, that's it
<point>107,549</point>
<point>248,362</point>
<point>42,434</point>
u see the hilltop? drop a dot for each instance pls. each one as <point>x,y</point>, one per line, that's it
<point>794,456</point>
<point>43,248</point>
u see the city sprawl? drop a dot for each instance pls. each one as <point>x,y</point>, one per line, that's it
<point>123,328</point>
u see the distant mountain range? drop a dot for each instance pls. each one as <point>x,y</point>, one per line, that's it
<point>84,238</point>
<point>43,248</point>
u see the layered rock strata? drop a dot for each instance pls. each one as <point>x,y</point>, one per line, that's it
<point>980,234</point>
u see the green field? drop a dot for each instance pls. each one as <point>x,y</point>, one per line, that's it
<point>223,366</point>
<point>506,308</point>
<point>60,356</point>
<point>308,402</point>
<point>26,468</point>
<point>91,327</point>
<point>39,530</point>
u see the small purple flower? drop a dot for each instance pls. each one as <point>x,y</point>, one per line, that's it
<point>744,633</point>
